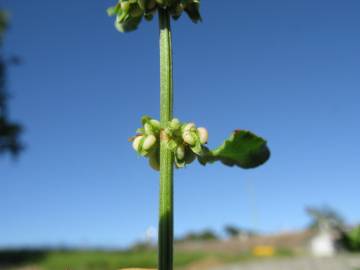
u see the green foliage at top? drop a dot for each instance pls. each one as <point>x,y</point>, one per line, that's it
<point>243,149</point>
<point>129,13</point>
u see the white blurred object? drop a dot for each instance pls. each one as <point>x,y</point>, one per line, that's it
<point>323,244</point>
<point>151,235</point>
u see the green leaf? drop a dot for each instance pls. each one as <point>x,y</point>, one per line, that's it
<point>243,149</point>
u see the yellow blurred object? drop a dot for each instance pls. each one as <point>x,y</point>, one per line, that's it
<point>263,251</point>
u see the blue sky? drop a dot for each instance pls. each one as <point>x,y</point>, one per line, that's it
<point>287,70</point>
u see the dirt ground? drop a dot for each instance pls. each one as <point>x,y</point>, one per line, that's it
<point>349,262</point>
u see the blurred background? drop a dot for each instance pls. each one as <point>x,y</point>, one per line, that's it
<point>74,195</point>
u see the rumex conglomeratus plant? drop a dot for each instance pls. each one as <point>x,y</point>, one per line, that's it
<point>169,143</point>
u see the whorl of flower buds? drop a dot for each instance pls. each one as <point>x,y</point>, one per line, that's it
<point>129,13</point>
<point>184,140</point>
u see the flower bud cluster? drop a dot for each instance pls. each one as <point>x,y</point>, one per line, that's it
<point>184,140</point>
<point>147,141</point>
<point>129,13</point>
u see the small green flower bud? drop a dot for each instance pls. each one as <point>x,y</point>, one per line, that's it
<point>203,135</point>
<point>189,127</point>
<point>136,11</point>
<point>172,145</point>
<point>154,162</point>
<point>175,124</point>
<point>168,132</point>
<point>145,119</point>
<point>155,123</point>
<point>136,143</point>
<point>188,138</point>
<point>180,152</point>
<point>192,10</point>
<point>125,5</point>
<point>175,11</point>
<point>148,129</point>
<point>112,11</point>
<point>149,142</point>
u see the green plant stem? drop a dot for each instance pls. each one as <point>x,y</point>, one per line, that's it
<point>166,158</point>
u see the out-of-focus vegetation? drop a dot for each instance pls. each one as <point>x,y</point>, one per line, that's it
<point>91,260</point>
<point>204,235</point>
<point>351,239</point>
<point>325,216</point>
<point>9,130</point>
<point>233,231</point>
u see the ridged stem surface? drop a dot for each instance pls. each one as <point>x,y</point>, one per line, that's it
<point>165,254</point>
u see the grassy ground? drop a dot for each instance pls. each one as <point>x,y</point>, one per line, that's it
<point>96,260</point>
<point>106,260</point>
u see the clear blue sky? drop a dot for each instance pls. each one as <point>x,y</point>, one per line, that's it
<point>287,70</point>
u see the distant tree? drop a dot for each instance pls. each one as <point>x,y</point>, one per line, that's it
<point>325,216</point>
<point>232,231</point>
<point>208,235</point>
<point>9,131</point>
<point>204,235</point>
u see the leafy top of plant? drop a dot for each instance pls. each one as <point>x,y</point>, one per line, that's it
<point>129,13</point>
